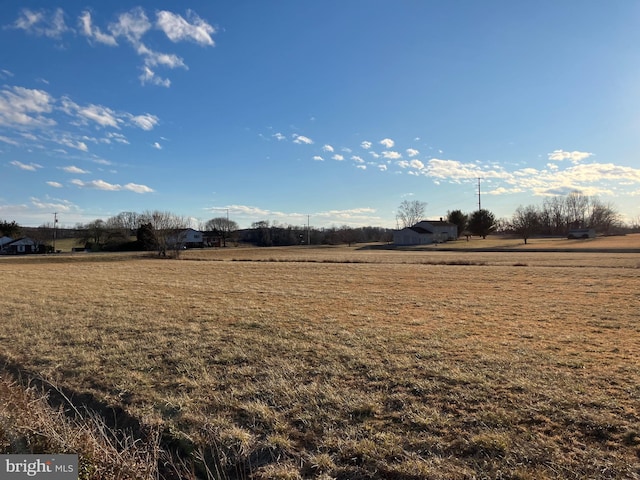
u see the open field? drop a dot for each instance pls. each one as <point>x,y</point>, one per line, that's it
<point>346,363</point>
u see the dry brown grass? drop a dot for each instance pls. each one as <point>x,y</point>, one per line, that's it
<point>339,363</point>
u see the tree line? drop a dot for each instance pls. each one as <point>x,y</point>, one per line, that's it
<point>160,230</point>
<point>163,232</point>
<point>555,217</point>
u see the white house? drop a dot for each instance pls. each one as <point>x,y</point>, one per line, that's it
<point>188,238</point>
<point>425,233</point>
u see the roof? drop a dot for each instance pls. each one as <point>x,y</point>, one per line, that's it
<point>420,230</point>
<point>23,241</point>
<point>440,223</point>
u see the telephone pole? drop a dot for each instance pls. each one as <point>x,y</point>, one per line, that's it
<point>55,225</point>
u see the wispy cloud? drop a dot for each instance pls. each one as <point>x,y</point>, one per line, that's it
<point>129,26</point>
<point>391,155</point>
<point>94,33</point>
<point>42,22</point>
<point>8,140</point>
<point>318,158</point>
<point>145,122</point>
<point>31,167</point>
<point>111,187</point>
<point>74,169</point>
<point>54,184</point>
<point>412,152</point>
<point>338,157</point>
<point>366,145</point>
<point>156,145</point>
<point>177,28</point>
<point>574,157</point>
<point>362,215</point>
<point>26,107</point>
<point>279,136</point>
<point>328,148</point>
<point>301,139</point>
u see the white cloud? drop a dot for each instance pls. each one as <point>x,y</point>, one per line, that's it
<point>8,140</point>
<point>102,185</point>
<point>278,136</point>
<point>177,28</point>
<point>68,142</point>
<point>382,167</point>
<point>74,169</point>
<point>366,145</point>
<point>132,25</point>
<point>101,115</point>
<point>416,164</point>
<point>146,122</point>
<point>338,157</point>
<point>361,167</point>
<point>42,23</point>
<point>31,167</point>
<point>387,142</point>
<point>412,152</point>
<point>25,107</point>
<point>94,33</point>
<point>54,184</point>
<point>134,187</point>
<point>328,148</point>
<point>300,139</point>
<point>115,137</point>
<point>318,158</point>
<point>574,157</point>
<point>54,205</point>
<point>391,155</point>
<point>157,146</point>
<point>149,76</point>
<point>503,191</point>
<point>357,159</point>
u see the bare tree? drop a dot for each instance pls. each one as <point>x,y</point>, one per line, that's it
<point>526,221</point>
<point>168,230</point>
<point>411,212</point>
<point>577,208</point>
<point>603,217</point>
<point>223,227</point>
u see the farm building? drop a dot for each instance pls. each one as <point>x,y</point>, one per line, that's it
<point>5,241</point>
<point>189,238</point>
<point>425,233</point>
<point>582,233</point>
<point>21,246</point>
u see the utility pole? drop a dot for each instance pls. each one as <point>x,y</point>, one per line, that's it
<point>55,225</point>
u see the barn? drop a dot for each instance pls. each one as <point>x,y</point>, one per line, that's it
<point>426,232</point>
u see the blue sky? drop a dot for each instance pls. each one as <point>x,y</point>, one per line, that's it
<point>336,110</point>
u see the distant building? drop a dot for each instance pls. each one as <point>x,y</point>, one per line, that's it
<point>581,233</point>
<point>187,238</point>
<point>426,232</point>
<point>20,246</point>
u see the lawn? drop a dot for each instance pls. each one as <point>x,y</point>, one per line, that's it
<point>344,362</point>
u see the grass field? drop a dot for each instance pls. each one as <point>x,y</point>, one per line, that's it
<point>340,362</point>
